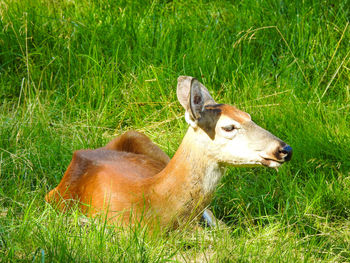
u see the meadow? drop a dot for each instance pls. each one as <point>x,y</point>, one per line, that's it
<point>75,74</point>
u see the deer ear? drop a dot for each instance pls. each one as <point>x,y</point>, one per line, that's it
<point>193,96</point>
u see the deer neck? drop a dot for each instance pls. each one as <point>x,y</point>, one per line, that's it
<point>191,176</point>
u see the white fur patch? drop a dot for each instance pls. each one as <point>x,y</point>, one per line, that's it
<point>211,178</point>
<point>190,121</point>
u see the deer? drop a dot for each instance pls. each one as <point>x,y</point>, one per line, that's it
<point>132,180</point>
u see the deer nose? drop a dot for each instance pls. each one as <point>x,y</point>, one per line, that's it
<point>286,153</point>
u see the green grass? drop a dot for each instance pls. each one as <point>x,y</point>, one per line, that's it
<point>74,74</point>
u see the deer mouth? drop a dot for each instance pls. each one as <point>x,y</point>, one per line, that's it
<point>269,162</point>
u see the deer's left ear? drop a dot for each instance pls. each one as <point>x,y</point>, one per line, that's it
<point>193,96</point>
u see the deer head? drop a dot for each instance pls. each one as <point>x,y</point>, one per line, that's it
<point>227,134</point>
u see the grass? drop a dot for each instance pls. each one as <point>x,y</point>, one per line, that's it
<point>74,74</point>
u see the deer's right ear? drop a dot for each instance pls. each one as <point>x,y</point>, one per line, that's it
<point>193,96</point>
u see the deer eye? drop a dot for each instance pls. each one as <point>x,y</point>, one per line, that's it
<point>228,128</point>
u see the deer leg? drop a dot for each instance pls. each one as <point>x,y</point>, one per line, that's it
<point>208,219</point>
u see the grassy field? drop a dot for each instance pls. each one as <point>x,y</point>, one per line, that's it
<point>74,74</point>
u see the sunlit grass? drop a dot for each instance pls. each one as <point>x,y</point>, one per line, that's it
<point>74,74</point>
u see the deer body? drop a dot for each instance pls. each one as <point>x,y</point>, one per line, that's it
<point>131,179</point>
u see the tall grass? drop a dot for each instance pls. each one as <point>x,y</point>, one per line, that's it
<point>74,74</point>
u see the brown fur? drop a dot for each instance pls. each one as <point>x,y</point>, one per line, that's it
<point>138,143</point>
<point>232,112</point>
<point>235,113</point>
<point>106,180</point>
